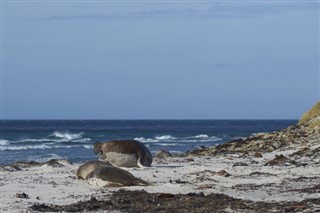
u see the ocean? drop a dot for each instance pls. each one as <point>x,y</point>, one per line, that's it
<point>42,140</point>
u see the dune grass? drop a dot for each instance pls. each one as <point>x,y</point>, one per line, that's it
<point>311,117</point>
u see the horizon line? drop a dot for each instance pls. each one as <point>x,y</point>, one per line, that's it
<point>136,119</point>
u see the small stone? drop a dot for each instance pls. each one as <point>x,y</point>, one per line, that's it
<point>204,186</point>
<point>22,195</point>
<point>258,155</point>
<point>223,173</point>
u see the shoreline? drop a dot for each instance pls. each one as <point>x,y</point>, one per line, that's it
<point>244,177</point>
<point>277,171</point>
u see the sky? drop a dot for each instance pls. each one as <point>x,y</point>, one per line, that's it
<point>159,59</point>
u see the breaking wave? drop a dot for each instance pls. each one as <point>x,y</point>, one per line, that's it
<point>4,142</point>
<point>165,137</point>
<point>156,139</point>
<point>169,138</point>
<point>81,140</point>
<point>146,140</point>
<point>35,140</point>
<point>168,144</point>
<point>57,137</point>
<point>34,147</point>
<point>67,135</point>
<point>88,146</point>
<point>15,148</point>
<point>200,136</point>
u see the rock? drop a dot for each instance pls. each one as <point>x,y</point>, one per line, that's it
<point>204,186</point>
<point>22,195</point>
<point>9,168</point>
<point>163,154</point>
<point>280,160</point>
<point>181,181</point>
<point>27,164</point>
<point>258,155</point>
<point>55,163</point>
<point>306,151</point>
<point>223,173</point>
<point>239,164</point>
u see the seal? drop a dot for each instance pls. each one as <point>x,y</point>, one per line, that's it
<point>114,177</point>
<point>124,153</point>
<point>85,169</point>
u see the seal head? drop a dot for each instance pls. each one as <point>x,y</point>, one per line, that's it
<point>85,169</point>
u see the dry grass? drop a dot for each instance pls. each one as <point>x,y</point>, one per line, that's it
<point>311,117</point>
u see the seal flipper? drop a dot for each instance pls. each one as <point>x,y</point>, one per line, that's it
<point>139,163</point>
<point>141,182</point>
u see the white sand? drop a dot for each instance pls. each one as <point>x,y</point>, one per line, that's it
<point>50,185</point>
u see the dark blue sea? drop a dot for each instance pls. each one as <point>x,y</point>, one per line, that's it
<point>42,140</point>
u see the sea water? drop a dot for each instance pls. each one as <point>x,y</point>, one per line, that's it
<point>42,140</point>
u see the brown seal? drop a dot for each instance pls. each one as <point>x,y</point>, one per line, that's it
<point>113,176</point>
<point>85,169</point>
<point>124,153</point>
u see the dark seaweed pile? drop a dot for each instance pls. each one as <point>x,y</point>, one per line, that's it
<point>142,201</point>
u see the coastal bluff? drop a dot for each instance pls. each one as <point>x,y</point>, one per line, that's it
<point>303,137</point>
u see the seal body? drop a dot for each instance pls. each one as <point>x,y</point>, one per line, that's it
<point>113,176</point>
<point>124,153</point>
<point>85,169</point>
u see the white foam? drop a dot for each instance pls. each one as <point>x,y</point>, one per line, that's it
<point>34,140</point>
<point>202,139</point>
<point>214,138</point>
<point>146,140</point>
<point>52,140</point>
<point>30,147</point>
<point>165,137</point>
<point>67,135</point>
<point>168,144</point>
<point>169,138</point>
<point>4,142</point>
<point>88,146</point>
<point>82,140</point>
<point>199,136</point>
<point>12,148</point>
<point>68,147</point>
<point>156,139</point>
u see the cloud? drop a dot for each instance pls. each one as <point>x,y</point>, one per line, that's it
<point>215,10</point>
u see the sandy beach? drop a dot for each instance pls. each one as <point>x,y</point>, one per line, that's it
<point>246,177</point>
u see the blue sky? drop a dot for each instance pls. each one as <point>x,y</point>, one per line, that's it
<point>159,60</point>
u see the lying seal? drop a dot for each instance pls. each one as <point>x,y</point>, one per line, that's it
<point>124,153</point>
<point>85,169</point>
<point>113,176</point>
